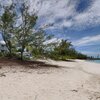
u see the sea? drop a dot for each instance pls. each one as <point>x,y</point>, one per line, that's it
<point>95,61</point>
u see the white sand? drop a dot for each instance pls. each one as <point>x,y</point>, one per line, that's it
<point>78,80</point>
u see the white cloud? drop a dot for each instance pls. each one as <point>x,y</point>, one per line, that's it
<point>89,40</point>
<point>2,42</point>
<point>51,10</point>
<point>53,40</point>
<point>90,17</point>
<point>6,2</point>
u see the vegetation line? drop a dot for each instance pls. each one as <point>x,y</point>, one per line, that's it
<point>23,40</point>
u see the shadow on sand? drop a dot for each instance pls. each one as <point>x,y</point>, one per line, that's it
<point>26,64</point>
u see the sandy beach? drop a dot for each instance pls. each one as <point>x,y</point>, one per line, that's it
<point>72,80</point>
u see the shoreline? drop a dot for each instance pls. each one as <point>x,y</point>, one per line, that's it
<point>83,65</point>
<point>94,61</point>
<point>78,80</point>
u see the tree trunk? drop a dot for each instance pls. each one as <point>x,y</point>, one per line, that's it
<point>10,52</point>
<point>23,47</point>
<point>21,55</point>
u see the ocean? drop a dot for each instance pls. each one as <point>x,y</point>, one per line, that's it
<point>95,61</point>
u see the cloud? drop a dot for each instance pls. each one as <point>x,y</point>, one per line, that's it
<point>57,12</point>
<point>91,17</point>
<point>64,13</point>
<point>53,40</point>
<point>2,42</point>
<point>5,2</point>
<point>88,40</point>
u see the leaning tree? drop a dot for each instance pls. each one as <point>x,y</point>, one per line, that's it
<point>7,20</point>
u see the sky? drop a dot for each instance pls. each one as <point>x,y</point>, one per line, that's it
<point>75,20</point>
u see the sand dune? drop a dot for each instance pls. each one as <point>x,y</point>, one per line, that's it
<point>77,80</point>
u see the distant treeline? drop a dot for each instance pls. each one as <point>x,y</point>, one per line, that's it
<point>94,58</point>
<point>22,40</point>
<point>64,50</point>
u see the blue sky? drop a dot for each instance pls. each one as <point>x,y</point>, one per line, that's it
<point>76,20</point>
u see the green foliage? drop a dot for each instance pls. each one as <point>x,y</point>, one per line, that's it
<point>38,44</point>
<point>65,51</point>
<point>23,33</point>
<point>23,36</point>
<point>1,54</point>
<point>7,20</point>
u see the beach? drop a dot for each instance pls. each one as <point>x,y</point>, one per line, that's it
<point>71,80</point>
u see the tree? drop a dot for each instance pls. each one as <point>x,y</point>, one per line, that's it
<point>61,50</point>
<point>24,31</point>
<point>7,20</point>
<point>64,50</point>
<point>20,34</point>
<point>64,47</point>
<point>38,44</point>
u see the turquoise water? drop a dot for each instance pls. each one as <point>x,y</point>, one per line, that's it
<point>95,61</point>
